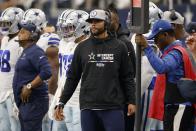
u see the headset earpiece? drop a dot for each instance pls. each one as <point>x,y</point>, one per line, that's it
<point>165,34</point>
<point>173,15</point>
<point>34,36</point>
<point>108,19</point>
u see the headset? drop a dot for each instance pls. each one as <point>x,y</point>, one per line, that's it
<point>173,15</point>
<point>34,36</point>
<point>107,23</point>
<point>35,33</point>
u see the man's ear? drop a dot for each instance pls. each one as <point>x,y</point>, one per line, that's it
<point>166,34</point>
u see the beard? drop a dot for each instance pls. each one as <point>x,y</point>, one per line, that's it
<point>98,31</point>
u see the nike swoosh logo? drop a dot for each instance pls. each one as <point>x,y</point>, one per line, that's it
<point>41,57</point>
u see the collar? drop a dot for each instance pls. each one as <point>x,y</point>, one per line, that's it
<point>176,42</point>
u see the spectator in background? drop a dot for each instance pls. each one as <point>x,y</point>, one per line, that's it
<point>191,28</point>
<point>191,39</point>
<point>191,44</point>
<point>30,90</point>
<point>22,4</point>
<point>7,3</point>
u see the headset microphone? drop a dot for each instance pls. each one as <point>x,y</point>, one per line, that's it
<point>161,40</point>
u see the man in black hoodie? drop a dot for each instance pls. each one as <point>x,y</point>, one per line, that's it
<point>122,34</point>
<point>107,80</point>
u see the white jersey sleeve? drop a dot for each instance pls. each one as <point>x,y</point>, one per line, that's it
<point>9,53</point>
<point>47,40</point>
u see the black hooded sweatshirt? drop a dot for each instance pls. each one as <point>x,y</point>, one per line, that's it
<point>106,73</point>
<point>123,35</point>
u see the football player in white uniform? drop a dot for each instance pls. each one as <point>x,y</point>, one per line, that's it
<point>10,51</point>
<point>58,125</point>
<point>49,42</point>
<point>74,29</point>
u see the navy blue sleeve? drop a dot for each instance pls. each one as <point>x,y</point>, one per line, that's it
<point>169,63</point>
<point>40,62</point>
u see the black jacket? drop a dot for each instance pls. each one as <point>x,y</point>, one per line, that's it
<point>107,80</point>
<point>123,35</point>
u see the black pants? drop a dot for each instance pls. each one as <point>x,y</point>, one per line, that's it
<point>178,117</point>
<point>129,120</point>
<point>112,120</point>
<point>32,113</point>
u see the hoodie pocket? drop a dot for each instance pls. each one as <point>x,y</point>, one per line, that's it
<point>89,91</point>
<point>100,91</point>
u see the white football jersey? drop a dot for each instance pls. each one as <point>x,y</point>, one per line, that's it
<point>9,53</point>
<point>66,52</point>
<point>47,40</point>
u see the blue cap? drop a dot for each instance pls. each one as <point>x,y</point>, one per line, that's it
<point>28,26</point>
<point>159,26</point>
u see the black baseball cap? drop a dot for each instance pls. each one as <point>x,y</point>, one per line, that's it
<point>28,26</point>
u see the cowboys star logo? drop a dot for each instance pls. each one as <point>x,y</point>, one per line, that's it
<point>91,56</point>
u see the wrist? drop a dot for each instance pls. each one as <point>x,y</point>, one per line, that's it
<point>60,104</point>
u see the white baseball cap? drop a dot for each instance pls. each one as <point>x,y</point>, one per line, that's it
<point>98,15</point>
<point>173,17</point>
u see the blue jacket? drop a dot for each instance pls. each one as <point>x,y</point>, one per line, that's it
<point>31,63</point>
<point>172,63</point>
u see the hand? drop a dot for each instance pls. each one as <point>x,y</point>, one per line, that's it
<point>25,94</point>
<point>131,109</point>
<point>58,113</point>
<point>15,111</point>
<point>141,40</point>
<point>191,42</point>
